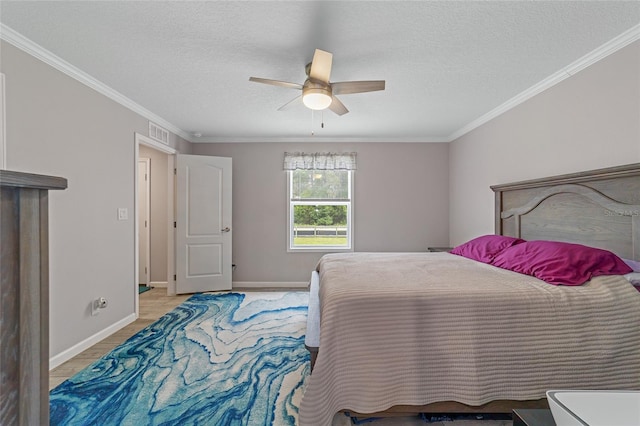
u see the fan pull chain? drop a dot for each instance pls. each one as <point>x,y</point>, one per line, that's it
<point>312,133</point>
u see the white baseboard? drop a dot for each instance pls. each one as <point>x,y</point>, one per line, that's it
<point>161,284</point>
<point>87,343</point>
<point>264,284</point>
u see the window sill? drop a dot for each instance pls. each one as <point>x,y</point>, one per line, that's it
<point>319,250</point>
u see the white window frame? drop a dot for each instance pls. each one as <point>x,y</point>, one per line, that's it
<point>290,216</point>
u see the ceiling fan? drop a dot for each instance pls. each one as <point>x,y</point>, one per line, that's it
<point>317,92</point>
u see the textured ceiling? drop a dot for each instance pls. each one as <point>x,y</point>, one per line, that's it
<point>446,63</point>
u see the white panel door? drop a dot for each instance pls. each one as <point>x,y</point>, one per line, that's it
<point>203,223</point>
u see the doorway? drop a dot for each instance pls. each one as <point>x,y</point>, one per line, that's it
<point>144,221</point>
<point>160,264</point>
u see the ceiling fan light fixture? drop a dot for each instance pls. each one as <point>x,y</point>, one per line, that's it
<point>316,98</point>
<point>317,90</point>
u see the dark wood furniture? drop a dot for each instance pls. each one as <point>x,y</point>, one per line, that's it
<point>24,297</point>
<point>532,418</point>
<point>439,249</point>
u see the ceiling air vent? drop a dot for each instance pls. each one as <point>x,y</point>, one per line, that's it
<point>158,133</point>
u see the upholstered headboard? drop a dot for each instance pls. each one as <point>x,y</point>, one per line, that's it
<point>599,208</point>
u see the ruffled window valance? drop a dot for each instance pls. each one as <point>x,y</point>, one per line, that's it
<point>319,161</point>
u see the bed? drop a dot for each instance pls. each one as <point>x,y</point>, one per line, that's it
<point>401,333</point>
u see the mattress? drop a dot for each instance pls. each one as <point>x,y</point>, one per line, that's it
<point>418,328</point>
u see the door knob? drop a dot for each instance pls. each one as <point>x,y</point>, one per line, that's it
<point>227,229</point>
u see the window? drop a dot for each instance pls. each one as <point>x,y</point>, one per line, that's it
<point>320,208</point>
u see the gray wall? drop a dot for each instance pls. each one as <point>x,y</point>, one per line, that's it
<point>58,126</point>
<point>400,203</point>
<point>588,121</point>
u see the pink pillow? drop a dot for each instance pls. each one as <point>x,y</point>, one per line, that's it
<point>485,248</point>
<point>560,263</point>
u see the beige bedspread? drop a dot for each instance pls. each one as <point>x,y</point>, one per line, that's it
<point>412,329</point>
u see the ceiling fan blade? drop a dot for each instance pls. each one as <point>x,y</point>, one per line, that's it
<point>347,87</point>
<point>321,66</point>
<point>337,106</point>
<point>276,83</point>
<point>295,101</point>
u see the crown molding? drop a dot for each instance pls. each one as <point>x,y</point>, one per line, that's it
<point>21,42</point>
<point>617,43</point>
<point>16,39</point>
<point>319,139</point>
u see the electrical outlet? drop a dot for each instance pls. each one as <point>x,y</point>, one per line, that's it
<point>97,305</point>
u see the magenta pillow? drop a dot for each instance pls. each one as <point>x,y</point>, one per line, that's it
<point>485,248</point>
<point>560,263</point>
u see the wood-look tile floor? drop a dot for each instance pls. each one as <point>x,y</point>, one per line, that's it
<point>153,304</point>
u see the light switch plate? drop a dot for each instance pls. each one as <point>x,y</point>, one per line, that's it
<point>123,213</point>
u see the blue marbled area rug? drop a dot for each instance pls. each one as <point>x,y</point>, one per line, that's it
<point>217,359</point>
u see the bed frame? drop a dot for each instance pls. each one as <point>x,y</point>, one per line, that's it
<point>599,208</point>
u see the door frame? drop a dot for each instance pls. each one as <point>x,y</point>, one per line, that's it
<point>3,125</point>
<point>140,139</point>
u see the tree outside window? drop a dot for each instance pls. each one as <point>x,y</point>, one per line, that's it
<point>320,209</point>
